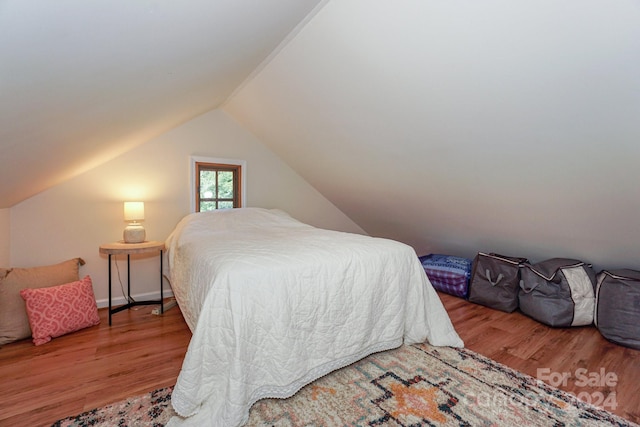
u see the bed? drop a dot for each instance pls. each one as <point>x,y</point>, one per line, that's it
<point>273,304</point>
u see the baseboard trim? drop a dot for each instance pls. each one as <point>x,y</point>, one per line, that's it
<point>121,300</point>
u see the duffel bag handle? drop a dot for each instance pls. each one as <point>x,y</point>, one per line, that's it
<point>527,289</point>
<point>498,279</point>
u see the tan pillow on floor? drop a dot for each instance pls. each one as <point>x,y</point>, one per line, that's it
<point>14,323</point>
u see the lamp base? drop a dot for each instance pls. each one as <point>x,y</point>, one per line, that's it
<point>134,233</point>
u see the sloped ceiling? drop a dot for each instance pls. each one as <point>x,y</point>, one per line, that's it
<point>84,81</point>
<point>459,126</point>
<point>454,126</point>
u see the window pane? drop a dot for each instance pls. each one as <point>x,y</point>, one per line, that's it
<point>217,185</point>
<point>225,185</point>
<point>207,184</point>
<point>207,206</point>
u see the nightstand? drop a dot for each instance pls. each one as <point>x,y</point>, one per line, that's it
<point>119,248</point>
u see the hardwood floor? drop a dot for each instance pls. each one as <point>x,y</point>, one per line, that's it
<point>92,367</point>
<point>595,369</point>
<point>142,352</point>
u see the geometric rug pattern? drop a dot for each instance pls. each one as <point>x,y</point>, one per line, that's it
<point>412,386</point>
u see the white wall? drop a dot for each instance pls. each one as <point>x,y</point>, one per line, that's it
<point>76,217</point>
<point>462,126</point>
<point>5,233</point>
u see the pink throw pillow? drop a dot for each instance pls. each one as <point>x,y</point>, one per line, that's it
<point>61,309</point>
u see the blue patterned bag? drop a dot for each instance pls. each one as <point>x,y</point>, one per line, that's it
<point>447,273</point>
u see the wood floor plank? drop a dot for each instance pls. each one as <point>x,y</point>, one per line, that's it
<point>90,368</point>
<point>523,344</point>
<point>141,352</point>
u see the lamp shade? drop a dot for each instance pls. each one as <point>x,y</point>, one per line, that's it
<point>133,211</point>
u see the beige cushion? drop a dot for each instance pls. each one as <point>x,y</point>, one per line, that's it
<point>14,323</point>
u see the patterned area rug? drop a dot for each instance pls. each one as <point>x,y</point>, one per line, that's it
<point>410,386</point>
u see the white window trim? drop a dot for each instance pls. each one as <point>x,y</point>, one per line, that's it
<point>235,162</point>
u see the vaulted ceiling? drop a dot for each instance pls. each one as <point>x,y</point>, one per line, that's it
<point>84,81</point>
<point>451,125</point>
<point>459,126</point>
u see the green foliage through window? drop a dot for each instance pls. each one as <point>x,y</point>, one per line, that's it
<point>217,186</point>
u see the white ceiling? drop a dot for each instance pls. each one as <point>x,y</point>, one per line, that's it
<point>462,125</point>
<point>454,126</point>
<point>84,81</point>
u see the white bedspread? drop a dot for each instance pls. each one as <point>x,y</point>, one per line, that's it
<point>274,304</point>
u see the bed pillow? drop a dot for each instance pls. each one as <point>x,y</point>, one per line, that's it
<point>14,323</point>
<point>59,310</point>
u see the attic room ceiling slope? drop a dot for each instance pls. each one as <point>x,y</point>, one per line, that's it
<point>84,81</point>
<point>459,126</point>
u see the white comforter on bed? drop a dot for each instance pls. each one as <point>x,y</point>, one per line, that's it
<point>274,304</point>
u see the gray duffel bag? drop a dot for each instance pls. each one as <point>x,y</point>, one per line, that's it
<point>617,314</point>
<point>494,281</point>
<point>558,292</point>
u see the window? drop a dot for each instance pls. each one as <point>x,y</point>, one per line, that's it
<point>217,184</point>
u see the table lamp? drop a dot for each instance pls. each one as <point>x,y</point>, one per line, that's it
<point>134,232</point>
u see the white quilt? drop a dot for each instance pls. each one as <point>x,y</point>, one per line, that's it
<point>274,304</point>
